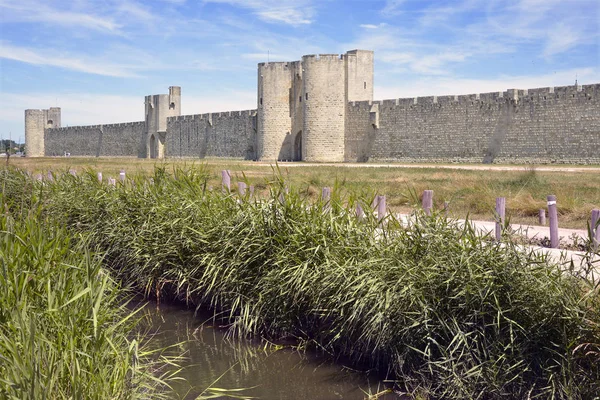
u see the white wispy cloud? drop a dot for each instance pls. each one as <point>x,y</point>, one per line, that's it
<point>372,26</point>
<point>131,9</point>
<point>110,17</point>
<point>290,12</point>
<point>289,16</point>
<point>392,7</point>
<point>560,39</point>
<point>55,59</point>
<point>553,26</point>
<point>38,11</point>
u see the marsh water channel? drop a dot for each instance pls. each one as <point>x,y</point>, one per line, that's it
<point>211,358</point>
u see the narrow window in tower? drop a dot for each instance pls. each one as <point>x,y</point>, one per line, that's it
<point>50,122</point>
<point>300,99</point>
<point>306,96</point>
<point>172,106</point>
<point>261,101</point>
<point>365,85</point>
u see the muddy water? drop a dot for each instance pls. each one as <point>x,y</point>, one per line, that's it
<point>213,359</point>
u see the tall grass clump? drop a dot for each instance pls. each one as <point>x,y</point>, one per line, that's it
<point>65,331</point>
<point>433,305</point>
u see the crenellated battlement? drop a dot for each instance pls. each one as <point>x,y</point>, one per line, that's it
<point>274,65</point>
<point>323,57</point>
<point>100,126</point>
<point>208,116</point>
<point>585,92</point>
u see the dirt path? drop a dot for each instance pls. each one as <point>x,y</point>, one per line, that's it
<point>566,168</point>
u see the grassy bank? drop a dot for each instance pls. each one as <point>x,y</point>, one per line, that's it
<point>470,192</point>
<point>434,306</point>
<point>64,331</point>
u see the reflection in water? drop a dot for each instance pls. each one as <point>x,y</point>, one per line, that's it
<point>266,372</point>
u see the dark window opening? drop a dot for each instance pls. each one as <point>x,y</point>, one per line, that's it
<point>365,85</point>
<point>300,99</point>
<point>50,122</point>
<point>261,101</point>
<point>306,96</point>
<point>172,106</point>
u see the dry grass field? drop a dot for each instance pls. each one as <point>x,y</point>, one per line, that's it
<point>469,191</point>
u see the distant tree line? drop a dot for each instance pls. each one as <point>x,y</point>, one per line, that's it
<point>6,144</point>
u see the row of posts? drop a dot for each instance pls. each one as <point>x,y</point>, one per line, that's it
<point>111,181</point>
<point>379,203</point>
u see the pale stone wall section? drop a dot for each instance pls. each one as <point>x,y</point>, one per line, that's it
<point>159,107</point>
<point>546,125</point>
<point>274,119</point>
<point>359,75</point>
<point>110,140</point>
<point>229,134</point>
<point>36,122</point>
<point>324,108</point>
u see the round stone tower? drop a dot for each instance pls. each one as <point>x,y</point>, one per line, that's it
<point>36,122</point>
<point>274,123</point>
<point>324,108</point>
<point>158,108</point>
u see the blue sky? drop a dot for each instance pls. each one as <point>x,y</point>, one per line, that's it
<point>97,58</point>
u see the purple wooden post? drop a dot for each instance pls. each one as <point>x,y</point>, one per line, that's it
<point>553,215</point>
<point>500,215</point>
<point>360,214</point>
<point>595,228</point>
<point>251,190</point>
<point>542,217</point>
<point>427,201</point>
<point>112,181</point>
<point>326,197</point>
<point>446,208</point>
<point>99,175</point>
<point>242,188</point>
<point>326,194</point>
<point>122,175</point>
<point>226,180</point>
<point>375,202</point>
<point>50,177</point>
<point>381,207</point>
<point>38,177</point>
<point>73,172</point>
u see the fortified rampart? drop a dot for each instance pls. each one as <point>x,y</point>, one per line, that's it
<point>545,125</point>
<point>321,109</point>
<point>228,134</point>
<point>111,140</point>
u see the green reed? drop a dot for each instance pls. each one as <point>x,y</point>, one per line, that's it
<point>65,329</point>
<point>435,306</point>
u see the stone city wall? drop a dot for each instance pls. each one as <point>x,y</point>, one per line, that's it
<point>546,125</point>
<point>229,134</point>
<point>111,140</point>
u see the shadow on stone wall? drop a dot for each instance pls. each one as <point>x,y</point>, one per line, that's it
<point>503,125</point>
